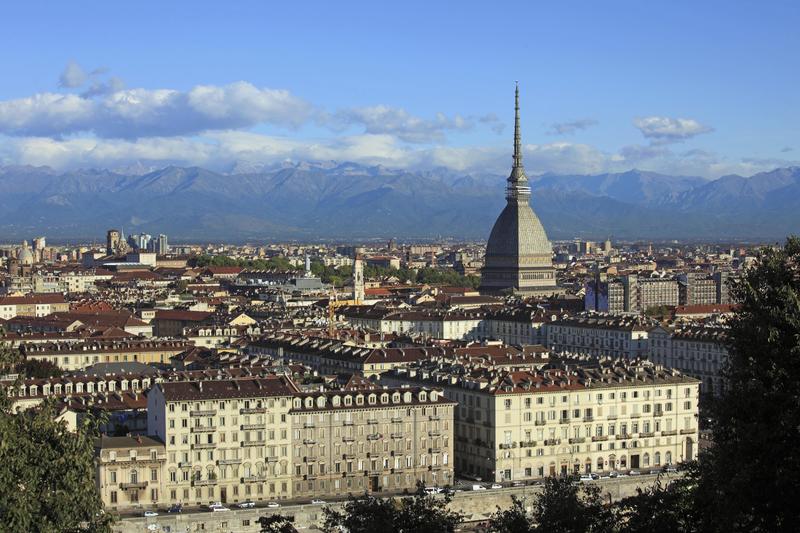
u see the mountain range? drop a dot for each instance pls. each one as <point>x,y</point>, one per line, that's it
<point>350,201</point>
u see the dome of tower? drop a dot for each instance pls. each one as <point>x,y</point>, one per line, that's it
<point>518,231</point>
<point>25,255</point>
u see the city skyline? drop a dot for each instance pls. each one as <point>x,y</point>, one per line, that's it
<point>166,87</point>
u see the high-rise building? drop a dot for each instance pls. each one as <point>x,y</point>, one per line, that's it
<point>163,246</point>
<point>519,257</point>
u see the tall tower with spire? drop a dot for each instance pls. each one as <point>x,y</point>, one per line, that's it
<point>519,257</point>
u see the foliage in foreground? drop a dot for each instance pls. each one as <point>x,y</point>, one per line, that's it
<point>420,513</point>
<point>47,481</point>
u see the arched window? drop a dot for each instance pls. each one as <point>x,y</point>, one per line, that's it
<point>668,458</point>
<point>646,459</point>
<point>657,457</point>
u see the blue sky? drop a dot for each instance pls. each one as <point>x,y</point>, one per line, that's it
<point>704,88</point>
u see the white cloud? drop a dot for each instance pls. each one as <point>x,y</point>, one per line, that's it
<point>382,119</point>
<point>72,76</point>
<point>136,113</point>
<point>661,130</point>
<point>568,128</point>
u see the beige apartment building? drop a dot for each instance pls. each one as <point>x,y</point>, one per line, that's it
<point>73,356</point>
<point>376,440</point>
<point>226,440</point>
<point>261,438</point>
<point>579,417</point>
<point>130,471</point>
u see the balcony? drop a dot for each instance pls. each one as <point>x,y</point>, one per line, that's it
<point>434,433</point>
<point>204,445</point>
<point>646,434</point>
<point>527,444</point>
<point>203,429</point>
<point>133,485</point>
<point>347,422</point>
<point>372,421</point>
<point>434,450</point>
<point>563,421</point>
<point>434,417</point>
<point>669,433</point>
<point>252,426</point>
<point>588,418</point>
<point>599,438</point>
<point>229,461</point>
<point>184,464</point>
<point>636,415</point>
<point>254,479</point>
<point>253,443</point>
<point>397,435</point>
<point>396,419</point>
<point>374,436</point>
<point>309,425</point>
<point>552,442</point>
<point>203,482</point>
<point>687,431</point>
<point>252,410</point>
<point>309,441</point>
<point>310,459</point>
<point>658,413</point>
<point>348,456</point>
<point>272,458</point>
<point>539,423</point>
<point>577,440</point>
<point>611,417</point>
<point>507,445</point>
<point>348,439</point>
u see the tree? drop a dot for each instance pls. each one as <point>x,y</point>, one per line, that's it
<point>277,523</point>
<point>565,506</point>
<point>749,480</point>
<point>364,514</point>
<point>662,508</point>
<point>38,368</point>
<point>515,519</point>
<point>419,513</point>
<point>47,473</point>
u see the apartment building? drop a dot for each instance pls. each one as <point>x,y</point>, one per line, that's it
<point>226,440</point>
<point>580,417</point>
<point>518,325</point>
<point>376,440</point>
<point>130,471</point>
<point>434,324</point>
<point>697,350</point>
<point>32,305</point>
<point>599,334</point>
<point>73,356</point>
<point>261,438</point>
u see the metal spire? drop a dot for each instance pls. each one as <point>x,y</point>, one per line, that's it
<point>517,181</point>
<point>517,134</point>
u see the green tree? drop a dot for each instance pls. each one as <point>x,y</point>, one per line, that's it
<point>565,506</point>
<point>515,519</point>
<point>47,478</point>
<point>277,523</point>
<point>364,514</point>
<point>38,368</point>
<point>662,508</point>
<point>749,480</point>
<point>420,513</point>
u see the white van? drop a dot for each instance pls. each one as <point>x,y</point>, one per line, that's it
<point>433,490</point>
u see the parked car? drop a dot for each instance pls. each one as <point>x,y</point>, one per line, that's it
<point>217,507</point>
<point>177,508</point>
<point>150,514</point>
<point>478,487</point>
<point>496,486</point>
<point>433,490</point>
<point>586,477</point>
<point>273,505</point>
<point>518,484</point>
<point>634,473</point>
<point>670,468</point>
<point>247,504</point>
<point>317,501</point>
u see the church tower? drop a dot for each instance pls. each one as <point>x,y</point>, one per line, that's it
<point>519,257</point>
